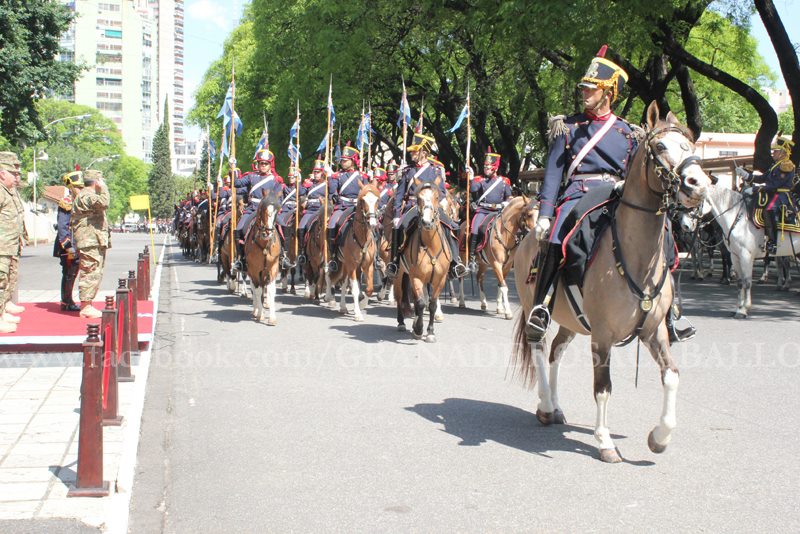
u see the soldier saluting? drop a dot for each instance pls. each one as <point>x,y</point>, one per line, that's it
<point>90,230</point>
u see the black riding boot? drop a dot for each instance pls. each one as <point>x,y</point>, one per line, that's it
<point>397,237</point>
<point>677,335</point>
<point>457,267</point>
<point>301,240</point>
<point>239,264</point>
<point>68,274</point>
<point>332,265</point>
<point>473,244</point>
<point>771,231</point>
<point>547,263</point>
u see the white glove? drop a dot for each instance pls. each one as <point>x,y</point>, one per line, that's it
<point>232,162</point>
<point>396,222</point>
<point>328,170</point>
<point>619,187</point>
<point>542,228</point>
<point>742,173</point>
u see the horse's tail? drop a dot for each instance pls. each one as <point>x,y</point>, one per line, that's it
<point>522,356</point>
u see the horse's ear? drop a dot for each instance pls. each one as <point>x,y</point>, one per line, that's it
<point>437,182</point>
<point>652,115</point>
<point>525,199</point>
<point>672,119</point>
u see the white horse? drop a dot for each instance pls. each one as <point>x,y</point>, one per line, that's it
<point>744,240</point>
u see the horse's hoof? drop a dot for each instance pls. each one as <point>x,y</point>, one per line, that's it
<point>725,281</point>
<point>655,447</point>
<point>292,291</point>
<point>417,336</point>
<point>359,318</point>
<point>272,322</point>
<point>342,311</point>
<point>558,418</point>
<point>439,318</point>
<point>401,328</point>
<point>545,418</point>
<point>738,315</point>
<point>610,456</point>
<point>509,316</point>
<point>430,338</point>
<point>483,307</point>
<point>454,301</point>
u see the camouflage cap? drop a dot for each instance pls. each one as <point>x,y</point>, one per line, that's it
<point>9,161</point>
<point>92,175</point>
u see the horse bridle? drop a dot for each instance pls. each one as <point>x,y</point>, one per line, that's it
<point>264,234</point>
<point>671,176</point>
<point>434,207</point>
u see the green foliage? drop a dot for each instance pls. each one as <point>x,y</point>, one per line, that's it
<point>128,177</point>
<point>201,175</point>
<point>786,122</point>
<point>160,181</point>
<point>287,51</point>
<point>29,35</point>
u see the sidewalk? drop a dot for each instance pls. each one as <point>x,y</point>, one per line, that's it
<point>39,416</point>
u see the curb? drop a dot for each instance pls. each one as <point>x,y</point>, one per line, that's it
<point>118,509</point>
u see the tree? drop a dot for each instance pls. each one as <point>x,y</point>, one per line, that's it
<point>201,174</point>
<point>127,177</point>
<point>29,41</point>
<point>786,122</point>
<point>160,181</point>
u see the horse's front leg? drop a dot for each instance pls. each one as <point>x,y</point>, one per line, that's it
<point>271,290</point>
<point>557,349</point>
<point>744,268</point>
<point>355,290</point>
<point>481,277</point>
<point>258,303</point>
<point>418,291</point>
<point>658,344</point>
<point>433,306</point>
<point>602,394</point>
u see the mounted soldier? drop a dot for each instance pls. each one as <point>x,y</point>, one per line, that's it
<point>588,150</point>
<point>778,183</point>
<point>258,184</point>
<point>385,190</point>
<point>313,194</point>
<point>286,216</point>
<point>492,193</point>
<point>405,212</point>
<point>343,189</point>
<point>223,206</point>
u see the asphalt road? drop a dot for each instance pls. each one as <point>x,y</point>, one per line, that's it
<point>324,424</point>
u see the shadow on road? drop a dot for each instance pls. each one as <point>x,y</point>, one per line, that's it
<point>475,422</point>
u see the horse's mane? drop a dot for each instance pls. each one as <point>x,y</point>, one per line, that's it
<point>723,195</point>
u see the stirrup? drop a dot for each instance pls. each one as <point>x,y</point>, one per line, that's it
<point>536,325</point>
<point>459,270</point>
<point>680,335</point>
<point>238,265</point>
<point>472,264</point>
<point>286,263</point>
<point>301,259</point>
<point>391,269</point>
<point>333,266</point>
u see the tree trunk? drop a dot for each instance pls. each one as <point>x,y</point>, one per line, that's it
<point>769,119</point>
<point>787,57</point>
<point>694,119</point>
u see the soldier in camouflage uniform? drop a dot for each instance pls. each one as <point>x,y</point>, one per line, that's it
<point>11,234</point>
<point>90,229</point>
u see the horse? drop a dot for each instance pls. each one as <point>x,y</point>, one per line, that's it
<point>262,250</point>
<point>624,294</point>
<point>504,234</point>
<point>783,282</point>
<point>225,260</point>
<point>702,236</point>
<point>745,241</point>
<point>314,268</point>
<point>357,253</point>
<point>289,271</point>
<point>425,261</point>
<point>202,233</point>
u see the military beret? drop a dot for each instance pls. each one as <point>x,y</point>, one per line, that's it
<point>92,175</point>
<point>9,161</point>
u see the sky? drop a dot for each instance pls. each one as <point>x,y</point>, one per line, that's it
<point>208,23</point>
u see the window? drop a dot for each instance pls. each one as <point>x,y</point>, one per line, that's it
<point>727,153</point>
<point>109,106</point>
<point>114,34</point>
<point>110,82</point>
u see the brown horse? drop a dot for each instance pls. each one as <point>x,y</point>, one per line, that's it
<point>202,235</point>
<point>288,272</point>
<point>224,260</point>
<point>357,253</point>
<point>504,234</point>
<point>314,268</point>
<point>262,250</point>
<point>624,290</point>
<point>425,261</point>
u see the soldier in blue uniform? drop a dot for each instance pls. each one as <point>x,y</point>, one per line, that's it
<point>386,190</point>
<point>286,216</point>
<point>587,150</point>
<point>223,206</point>
<point>405,210</point>
<point>778,183</point>
<point>489,193</point>
<point>312,198</point>
<point>259,184</point>
<point>343,190</point>
<point>64,247</point>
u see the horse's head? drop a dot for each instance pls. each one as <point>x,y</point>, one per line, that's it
<point>427,202</point>
<point>368,204</point>
<point>528,214</point>
<point>676,173</point>
<point>267,211</point>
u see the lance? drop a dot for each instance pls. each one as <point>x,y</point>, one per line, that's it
<point>361,142</point>
<point>405,125</point>
<point>297,181</point>
<point>328,151</point>
<point>232,162</point>
<point>211,211</point>
<point>467,161</point>
<point>369,137</point>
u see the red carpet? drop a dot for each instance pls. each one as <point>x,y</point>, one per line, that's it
<point>44,327</point>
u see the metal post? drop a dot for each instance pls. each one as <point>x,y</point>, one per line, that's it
<point>141,275</point>
<point>89,482</point>
<point>108,331</point>
<point>134,312</point>
<point>123,333</point>
<point>147,269</point>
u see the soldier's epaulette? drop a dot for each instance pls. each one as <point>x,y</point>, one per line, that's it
<point>637,132</point>
<point>478,178</point>
<point>278,178</point>
<point>787,166</point>
<point>556,126</point>
<point>506,179</point>
<point>308,183</point>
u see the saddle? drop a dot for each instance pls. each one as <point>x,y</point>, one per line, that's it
<point>483,232</point>
<point>344,224</point>
<point>756,201</point>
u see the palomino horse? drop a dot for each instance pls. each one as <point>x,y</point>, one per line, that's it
<point>504,234</point>
<point>624,294</point>
<point>744,240</point>
<point>356,255</point>
<point>262,250</point>
<point>425,261</point>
